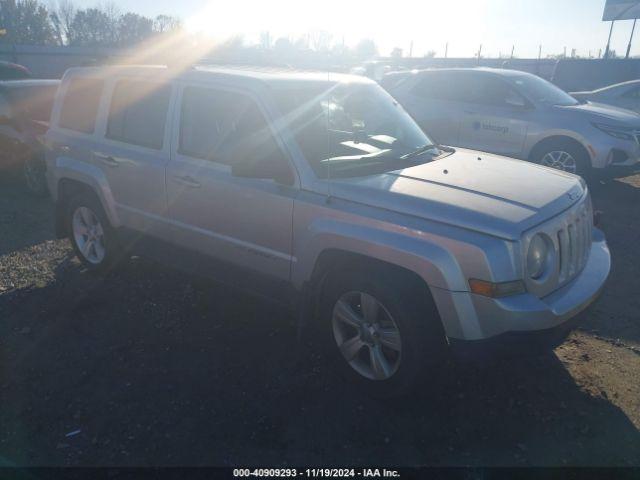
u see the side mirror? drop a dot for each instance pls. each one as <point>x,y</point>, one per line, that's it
<point>516,102</point>
<point>272,166</point>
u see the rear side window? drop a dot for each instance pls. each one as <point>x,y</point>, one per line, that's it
<point>80,104</point>
<point>214,123</point>
<point>138,113</point>
<point>33,103</point>
<point>450,86</point>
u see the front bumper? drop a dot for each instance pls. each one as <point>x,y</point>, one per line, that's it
<point>473,317</point>
<point>614,154</point>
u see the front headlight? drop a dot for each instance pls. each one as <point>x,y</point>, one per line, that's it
<point>623,133</point>
<point>539,256</point>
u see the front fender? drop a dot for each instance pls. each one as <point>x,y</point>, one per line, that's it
<point>431,262</point>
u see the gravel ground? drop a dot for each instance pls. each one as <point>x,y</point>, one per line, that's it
<point>151,367</point>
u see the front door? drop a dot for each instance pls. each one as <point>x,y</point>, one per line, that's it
<point>243,221</point>
<point>495,117</point>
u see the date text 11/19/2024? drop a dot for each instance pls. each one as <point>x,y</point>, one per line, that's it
<point>316,473</point>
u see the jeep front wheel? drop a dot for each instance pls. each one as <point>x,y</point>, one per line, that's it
<point>382,330</point>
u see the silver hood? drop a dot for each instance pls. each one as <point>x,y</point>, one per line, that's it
<point>598,112</point>
<point>478,191</point>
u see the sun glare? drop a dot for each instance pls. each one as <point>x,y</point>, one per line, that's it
<point>428,24</point>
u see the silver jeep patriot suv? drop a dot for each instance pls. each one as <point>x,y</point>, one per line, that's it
<point>320,191</point>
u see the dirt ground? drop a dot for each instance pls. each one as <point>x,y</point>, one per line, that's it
<point>152,367</point>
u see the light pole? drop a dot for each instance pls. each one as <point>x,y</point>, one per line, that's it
<point>606,51</point>
<point>633,29</point>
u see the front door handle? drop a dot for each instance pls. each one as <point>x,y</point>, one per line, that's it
<point>108,160</point>
<point>188,181</point>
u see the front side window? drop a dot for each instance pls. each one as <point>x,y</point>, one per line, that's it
<point>138,113</point>
<point>80,104</point>
<point>487,90</point>
<point>216,125</point>
<point>350,129</point>
<point>541,91</point>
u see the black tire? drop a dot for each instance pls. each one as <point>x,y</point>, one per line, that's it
<point>34,176</point>
<point>424,349</point>
<point>112,250</point>
<point>579,154</point>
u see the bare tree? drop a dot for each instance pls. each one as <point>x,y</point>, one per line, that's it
<point>62,17</point>
<point>320,40</point>
<point>113,16</point>
<point>166,23</point>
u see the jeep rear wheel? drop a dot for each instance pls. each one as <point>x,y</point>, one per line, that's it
<point>91,235</point>
<point>382,330</point>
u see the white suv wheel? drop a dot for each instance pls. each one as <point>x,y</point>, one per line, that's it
<point>560,160</point>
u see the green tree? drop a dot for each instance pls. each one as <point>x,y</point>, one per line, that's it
<point>26,22</point>
<point>133,29</point>
<point>91,27</point>
<point>366,49</point>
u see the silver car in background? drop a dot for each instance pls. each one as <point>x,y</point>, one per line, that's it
<point>623,95</point>
<point>519,115</point>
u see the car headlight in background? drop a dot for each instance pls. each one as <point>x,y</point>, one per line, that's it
<point>539,256</point>
<point>623,133</point>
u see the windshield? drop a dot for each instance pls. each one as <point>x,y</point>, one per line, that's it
<point>543,92</point>
<point>351,130</point>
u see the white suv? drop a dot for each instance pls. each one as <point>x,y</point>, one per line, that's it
<point>320,191</point>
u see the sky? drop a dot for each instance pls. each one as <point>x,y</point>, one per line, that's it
<point>428,24</point>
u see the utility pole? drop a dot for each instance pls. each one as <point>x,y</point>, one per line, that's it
<point>633,29</point>
<point>446,50</point>
<point>513,48</point>
<point>479,54</point>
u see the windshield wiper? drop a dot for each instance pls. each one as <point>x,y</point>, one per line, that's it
<point>420,151</point>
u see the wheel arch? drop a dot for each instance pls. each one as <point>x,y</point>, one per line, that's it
<point>557,139</point>
<point>68,188</point>
<point>332,260</point>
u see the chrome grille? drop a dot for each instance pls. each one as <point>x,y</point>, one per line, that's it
<point>574,244</point>
<point>571,235</point>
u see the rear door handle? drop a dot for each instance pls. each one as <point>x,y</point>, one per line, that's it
<point>108,160</point>
<point>188,181</point>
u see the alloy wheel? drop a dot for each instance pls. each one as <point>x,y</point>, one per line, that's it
<point>560,160</point>
<point>88,234</point>
<point>367,335</point>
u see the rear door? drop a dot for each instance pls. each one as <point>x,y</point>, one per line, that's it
<point>135,150</point>
<point>434,101</point>
<point>242,221</point>
<point>495,116</point>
